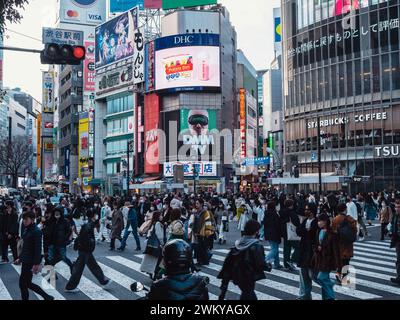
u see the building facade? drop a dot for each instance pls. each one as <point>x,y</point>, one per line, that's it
<point>342,69</point>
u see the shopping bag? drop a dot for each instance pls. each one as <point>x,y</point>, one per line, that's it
<point>291,232</point>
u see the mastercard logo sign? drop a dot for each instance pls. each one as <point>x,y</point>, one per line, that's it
<point>72,14</point>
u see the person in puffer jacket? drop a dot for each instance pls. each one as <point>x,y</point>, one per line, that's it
<point>179,283</point>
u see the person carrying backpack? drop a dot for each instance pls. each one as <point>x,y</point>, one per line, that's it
<point>346,229</point>
<point>245,264</point>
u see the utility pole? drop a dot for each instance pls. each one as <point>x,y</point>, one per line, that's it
<point>319,157</point>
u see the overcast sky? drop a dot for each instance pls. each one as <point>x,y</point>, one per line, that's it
<point>252,19</point>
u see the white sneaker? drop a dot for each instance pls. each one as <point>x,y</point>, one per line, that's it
<point>361,239</point>
<point>72,290</point>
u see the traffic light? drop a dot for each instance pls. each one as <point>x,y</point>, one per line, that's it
<point>62,54</point>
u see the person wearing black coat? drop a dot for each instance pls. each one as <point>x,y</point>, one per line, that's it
<point>308,233</point>
<point>245,263</point>
<point>9,231</point>
<point>289,214</point>
<point>60,231</point>
<point>272,233</point>
<point>85,245</point>
<point>31,256</point>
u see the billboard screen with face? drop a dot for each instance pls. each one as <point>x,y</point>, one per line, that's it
<point>115,38</point>
<point>189,62</point>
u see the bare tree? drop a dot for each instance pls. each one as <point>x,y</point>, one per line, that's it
<point>14,157</point>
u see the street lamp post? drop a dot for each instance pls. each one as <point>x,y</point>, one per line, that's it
<point>319,156</point>
<point>195,175</point>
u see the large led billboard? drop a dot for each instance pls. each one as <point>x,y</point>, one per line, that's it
<point>312,11</point>
<point>115,38</point>
<point>189,62</point>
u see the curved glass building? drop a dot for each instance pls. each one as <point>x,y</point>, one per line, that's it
<point>342,69</point>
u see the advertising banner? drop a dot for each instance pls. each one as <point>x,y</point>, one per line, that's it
<point>195,128</point>
<point>113,80</point>
<point>153,4</point>
<point>115,38</point>
<point>124,5</point>
<point>172,4</point>
<point>149,54</point>
<point>62,36</point>
<point>83,146</point>
<point>187,61</point>
<point>91,12</point>
<point>242,108</point>
<point>89,71</point>
<point>312,11</point>
<point>138,58</point>
<point>48,92</point>
<point>203,168</point>
<point>151,142</point>
<point>1,63</point>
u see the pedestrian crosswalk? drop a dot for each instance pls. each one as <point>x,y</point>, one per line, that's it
<point>374,265</point>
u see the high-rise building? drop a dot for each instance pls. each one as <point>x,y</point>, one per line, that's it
<point>342,76</point>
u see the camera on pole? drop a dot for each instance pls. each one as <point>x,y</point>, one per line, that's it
<point>62,54</point>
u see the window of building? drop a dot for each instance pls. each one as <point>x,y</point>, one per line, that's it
<point>376,74</point>
<point>21,126</point>
<point>395,71</point>
<point>20,115</point>
<point>367,76</point>
<point>341,80</point>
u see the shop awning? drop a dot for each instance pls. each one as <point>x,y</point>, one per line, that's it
<point>307,179</point>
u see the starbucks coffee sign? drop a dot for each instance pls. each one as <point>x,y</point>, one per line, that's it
<point>357,118</point>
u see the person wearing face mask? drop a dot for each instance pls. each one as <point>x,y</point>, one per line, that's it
<point>385,216</point>
<point>143,207</point>
<point>9,231</point>
<point>85,244</point>
<point>131,226</point>
<point>307,231</point>
<point>47,231</point>
<point>326,256</point>
<point>222,221</point>
<point>117,225</point>
<point>59,237</point>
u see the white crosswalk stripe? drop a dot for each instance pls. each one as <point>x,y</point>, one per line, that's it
<point>4,294</point>
<point>374,263</point>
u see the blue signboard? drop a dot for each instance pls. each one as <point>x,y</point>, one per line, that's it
<point>124,5</point>
<point>67,163</point>
<point>278,29</point>
<point>256,161</point>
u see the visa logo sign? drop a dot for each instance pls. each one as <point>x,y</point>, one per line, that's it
<point>94,17</point>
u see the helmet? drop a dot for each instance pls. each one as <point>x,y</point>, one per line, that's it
<point>177,255</point>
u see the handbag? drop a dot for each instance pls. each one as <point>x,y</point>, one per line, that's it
<point>291,232</point>
<point>153,245</point>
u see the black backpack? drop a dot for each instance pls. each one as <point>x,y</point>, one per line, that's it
<point>346,234</point>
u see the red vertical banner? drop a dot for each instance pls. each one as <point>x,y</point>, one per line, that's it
<point>151,139</point>
<point>89,72</point>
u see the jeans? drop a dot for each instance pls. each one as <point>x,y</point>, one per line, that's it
<point>288,245</point>
<point>61,252</point>
<point>85,258</point>
<point>273,255</point>
<point>326,284</point>
<point>248,292</point>
<point>126,235</point>
<point>306,276</point>
<point>9,242</point>
<point>25,283</point>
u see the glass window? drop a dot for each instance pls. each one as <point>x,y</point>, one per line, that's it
<point>321,84</point>
<point>386,71</point>
<point>308,88</point>
<point>395,71</point>
<point>358,77</point>
<point>384,33</point>
<point>341,80</point>
<point>333,80</point>
<point>326,82</point>
<point>374,35</point>
<point>367,76</point>
<point>376,74</point>
<point>349,73</point>
<point>394,32</point>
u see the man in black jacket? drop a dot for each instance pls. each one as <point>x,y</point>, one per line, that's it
<point>245,263</point>
<point>179,283</point>
<point>85,245</point>
<point>60,232</point>
<point>31,257</point>
<point>289,214</point>
<point>9,231</point>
